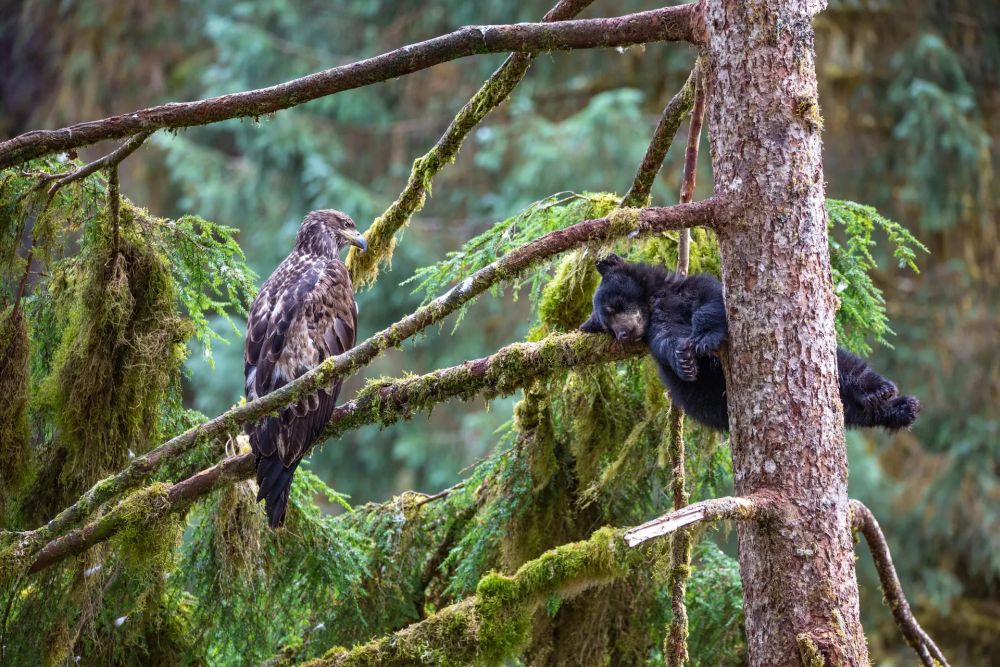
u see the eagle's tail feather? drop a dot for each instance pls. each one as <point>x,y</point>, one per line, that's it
<point>274,481</point>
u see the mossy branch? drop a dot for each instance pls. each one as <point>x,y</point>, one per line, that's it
<point>384,403</point>
<point>757,507</point>
<point>381,235</point>
<point>863,521</point>
<point>709,212</point>
<point>677,108</point>
<point>666,24</point>
<point>496,622</point>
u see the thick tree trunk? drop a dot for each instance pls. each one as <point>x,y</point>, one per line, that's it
<point>799,583</point>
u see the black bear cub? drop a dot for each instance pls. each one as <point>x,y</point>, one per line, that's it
<point>683,321</point>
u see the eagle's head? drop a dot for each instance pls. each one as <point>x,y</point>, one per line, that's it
<point>326,232</point>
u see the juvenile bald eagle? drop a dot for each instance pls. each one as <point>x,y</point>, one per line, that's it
<point>305,312</point>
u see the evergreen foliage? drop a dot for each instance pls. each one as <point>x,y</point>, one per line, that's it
<point>570,458</point>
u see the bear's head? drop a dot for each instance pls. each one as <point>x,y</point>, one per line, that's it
<point>621,304</point>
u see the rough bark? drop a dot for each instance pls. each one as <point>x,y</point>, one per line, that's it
<point>787,431</point>
<point>669,23</point>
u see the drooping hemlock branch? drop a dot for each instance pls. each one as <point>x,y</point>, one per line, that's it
<point>710,212</point>
<point>500,374</point>
<point>666,24</point>
<point>380,235</point>
<point>863,521</point>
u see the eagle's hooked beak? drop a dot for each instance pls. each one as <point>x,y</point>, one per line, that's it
<point>355,238</point>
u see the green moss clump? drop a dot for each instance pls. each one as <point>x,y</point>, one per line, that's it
<point>14,443</point>
<point>118,355</point>
<point>565,301</point>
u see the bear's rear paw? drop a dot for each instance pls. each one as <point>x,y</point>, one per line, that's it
<point>899,412</point>
<point>880,394</point>
<point>686,364</point>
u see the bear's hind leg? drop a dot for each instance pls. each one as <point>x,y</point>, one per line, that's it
<point>709,329</point>
<point>897,413</point>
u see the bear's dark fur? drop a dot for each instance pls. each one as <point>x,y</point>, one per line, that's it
<point>683,321</point>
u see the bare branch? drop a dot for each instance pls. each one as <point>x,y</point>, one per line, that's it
<point>601,230</point>
<point>667,24</point>
<point>380,235</point>
<point>863,521</point>
<point>735,508</point>
<point>691,168</point>
<point>500,374</point>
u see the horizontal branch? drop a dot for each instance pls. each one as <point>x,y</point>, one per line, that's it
<point>601,230</point>
<point>863,521</point>
<point>667,24</point>
<point>500,374</point>
<point>757,507</point>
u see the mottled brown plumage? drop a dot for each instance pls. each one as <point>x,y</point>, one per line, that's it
<point>304,313</point>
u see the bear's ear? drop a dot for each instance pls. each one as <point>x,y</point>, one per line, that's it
<point>609,263</point>
<point>592,325</point>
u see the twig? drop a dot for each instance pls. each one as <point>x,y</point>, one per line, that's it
<point>758,507</point>
<point>666,24</point>
<point>111,160</point>
<point>440,494</point>
<point>710,212</point>
<point>380,235</point>
<point>382,403</point>
<point>114,207</point>
<point>864,522</point>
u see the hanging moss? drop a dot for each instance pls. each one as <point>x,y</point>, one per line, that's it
<point>14,444</point>
<point>122,345</point>
<point>566,299</point>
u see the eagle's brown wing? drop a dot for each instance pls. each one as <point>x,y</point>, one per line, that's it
<point>305,312</point>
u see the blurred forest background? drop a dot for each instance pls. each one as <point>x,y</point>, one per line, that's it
<point>911,102</point>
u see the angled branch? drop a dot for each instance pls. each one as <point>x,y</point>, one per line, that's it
<point>677,108</point>
<point>641,221</point>
<point>111,160</point>
<point>667,24</point>
<point>757,507</point>
<point>863,521</point>
<point>380,235</point>
<point>500,374</point>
